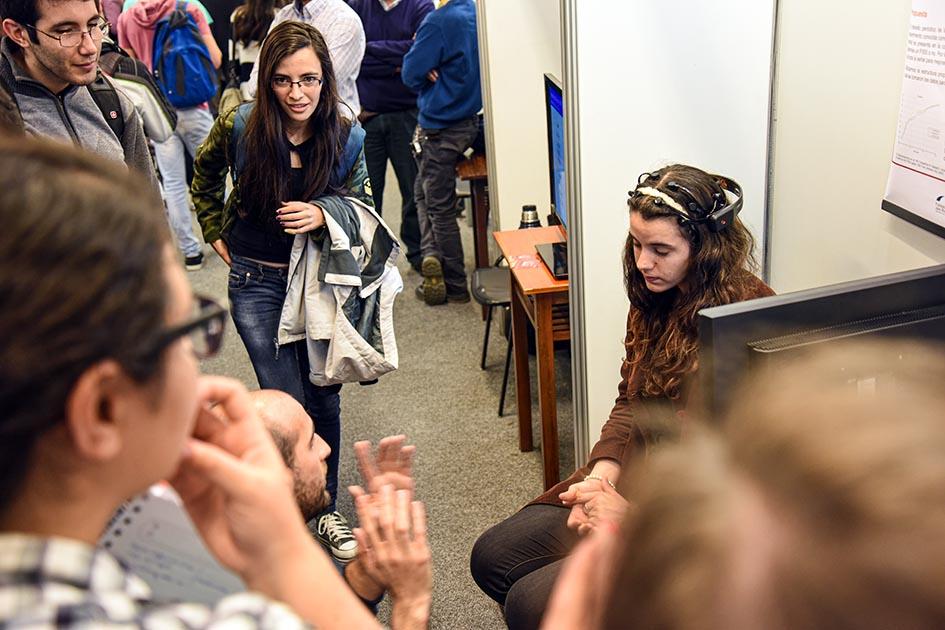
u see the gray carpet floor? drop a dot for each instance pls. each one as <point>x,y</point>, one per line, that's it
<point>469,471</point>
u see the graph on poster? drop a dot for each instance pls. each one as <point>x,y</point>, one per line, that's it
<point>921,134</point>
<point>915,190</point>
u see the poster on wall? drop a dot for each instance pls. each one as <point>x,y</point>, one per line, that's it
<point>915,190</point>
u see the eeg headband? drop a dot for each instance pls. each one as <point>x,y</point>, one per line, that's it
<point>725,205</point>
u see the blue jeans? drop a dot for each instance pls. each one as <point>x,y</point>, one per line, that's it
<point>193,125</point>
<point>256,296</point>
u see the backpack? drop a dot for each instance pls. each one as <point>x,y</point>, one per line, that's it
<point>101,91</point>
<point>181,61</point>
<point>157,114</point>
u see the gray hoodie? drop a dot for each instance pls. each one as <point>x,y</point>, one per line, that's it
<point>73,116</point>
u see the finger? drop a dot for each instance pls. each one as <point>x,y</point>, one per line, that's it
<point>230,395</point>
<point>386,517</point>
<point>217,466</point>
<point>365,459</point>
<point>295,224</point>
<point>367,519</point>
<point>402,517</point>
<point>365,552</point>
<point>209,421</point>
<point>419,516</point>
<point>356,491</point>
<point>388,455</point>
<point>407,454</point>
<point>293,215</point>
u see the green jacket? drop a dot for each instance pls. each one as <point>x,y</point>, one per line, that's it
<point>217,157</point>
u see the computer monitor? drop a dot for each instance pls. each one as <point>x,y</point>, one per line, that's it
<point>759,334</point>
<point>555,255</point>
<point>554,115</point>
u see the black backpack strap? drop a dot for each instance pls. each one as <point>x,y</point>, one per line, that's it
<point>106,98</point>
<point>6,84</point>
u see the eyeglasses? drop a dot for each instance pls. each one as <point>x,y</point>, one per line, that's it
<point>205,329</point>
<point>73,38</point>
<point>307,82</point>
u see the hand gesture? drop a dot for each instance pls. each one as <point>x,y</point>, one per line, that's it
<point>234,484</point>
<point>393,464</point>
<point>393,550</point>
<point>299,217</point>
<point>593,502</point>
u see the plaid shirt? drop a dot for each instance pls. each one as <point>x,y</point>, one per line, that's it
<point>61,583</point>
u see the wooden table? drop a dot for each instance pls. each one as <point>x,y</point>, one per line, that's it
<point>474,171</point>
<point>543,300</point>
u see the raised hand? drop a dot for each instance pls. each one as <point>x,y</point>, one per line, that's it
<point>393,550</point>
<point>393,464</point>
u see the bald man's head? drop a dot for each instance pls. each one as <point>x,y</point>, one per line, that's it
<point>303,451</point>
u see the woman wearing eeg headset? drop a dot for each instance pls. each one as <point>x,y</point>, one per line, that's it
<point>686,250</point>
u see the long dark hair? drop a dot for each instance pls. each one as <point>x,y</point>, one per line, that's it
<point>81,280</point>
<point>251,20</point>
<point>264,182</point>
<point>663,339</point>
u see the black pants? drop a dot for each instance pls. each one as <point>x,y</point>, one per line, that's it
<point>388,138</point>
<point>435,193</point>
<point>517,561</point>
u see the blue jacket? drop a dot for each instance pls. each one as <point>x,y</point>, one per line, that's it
<point>389,36</point>
<point>446,42</point>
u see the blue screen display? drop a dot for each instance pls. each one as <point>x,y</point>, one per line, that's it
<point>555,116</point>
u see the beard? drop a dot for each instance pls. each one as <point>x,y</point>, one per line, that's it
<point>312,498</point>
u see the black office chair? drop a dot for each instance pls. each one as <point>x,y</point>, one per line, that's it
<point>492,287</point>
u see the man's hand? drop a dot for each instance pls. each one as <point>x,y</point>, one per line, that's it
<point>233,482</point>
<point>239,495</point>
<point>393,464</point>
<point>593,502</point>
<point>299,217</point>
<point>433,75</point>
<point>392,546</point>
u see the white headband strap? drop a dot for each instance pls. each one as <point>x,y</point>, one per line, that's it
<point>669,201</point>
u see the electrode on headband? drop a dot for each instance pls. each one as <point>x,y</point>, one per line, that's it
<point>666,199</point>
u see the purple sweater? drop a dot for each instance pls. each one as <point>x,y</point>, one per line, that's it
<point>389,36</point>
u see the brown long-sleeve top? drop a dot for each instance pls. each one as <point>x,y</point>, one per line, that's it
<point>635,420</point>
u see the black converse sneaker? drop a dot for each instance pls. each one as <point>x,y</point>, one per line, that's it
<point>332,531</point>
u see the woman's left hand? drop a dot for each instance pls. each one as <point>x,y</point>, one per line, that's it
<point>299,217</point>
<point>593,502</point>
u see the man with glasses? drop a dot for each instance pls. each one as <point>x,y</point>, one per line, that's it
<point>101,397</point>
<point>49,65</point>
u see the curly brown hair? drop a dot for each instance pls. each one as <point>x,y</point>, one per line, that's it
<point>663,335</point>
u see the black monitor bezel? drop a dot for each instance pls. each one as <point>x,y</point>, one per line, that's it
<point>725,331</point>
<point>549,82</point>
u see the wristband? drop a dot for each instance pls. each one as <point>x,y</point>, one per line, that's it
<point>598,478</point>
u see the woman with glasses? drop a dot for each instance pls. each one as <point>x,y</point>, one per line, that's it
<point>686,250</point>
<point>285,152</point>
